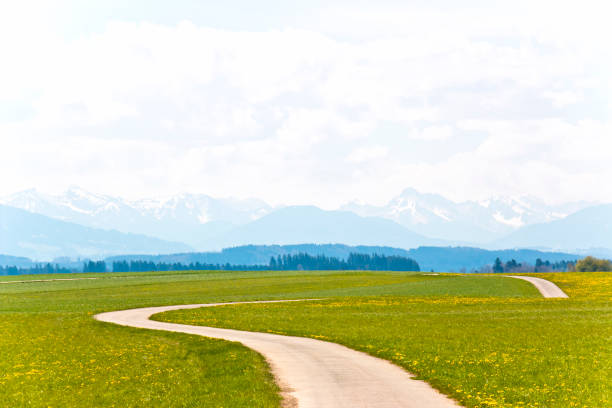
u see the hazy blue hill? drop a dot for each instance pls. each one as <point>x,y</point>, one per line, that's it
<point>446,259</point>
<point>23,233</point>
<point>206,223</point>
<point>18,261</point>
<point>260,254</point>
<point>437,258</point>
<point>297,224</point>
<point>588,228</point>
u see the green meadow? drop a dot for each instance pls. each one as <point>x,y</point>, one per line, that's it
<point>503,347</point>
<point>486,341</point>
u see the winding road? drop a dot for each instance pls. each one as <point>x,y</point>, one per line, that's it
<point>313,373</point>
<point>546,288</point>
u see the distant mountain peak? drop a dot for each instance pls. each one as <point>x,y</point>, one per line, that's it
<point>44,238</point>
<point>181,217</point>
<point>201,220</point>
<point>475,221</point>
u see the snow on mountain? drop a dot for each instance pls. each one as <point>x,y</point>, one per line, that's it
<point>202,221</point>
<point>190,218</point>
<point>23,233</point>
<point>472,221</point>
<point>74,205</point>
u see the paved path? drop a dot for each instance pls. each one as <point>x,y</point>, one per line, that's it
<point>546,288</point>
<point>311,373</point>
<point>46,280</point>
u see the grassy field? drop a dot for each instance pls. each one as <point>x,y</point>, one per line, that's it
<point>487,350</point>
<point>52,353</point>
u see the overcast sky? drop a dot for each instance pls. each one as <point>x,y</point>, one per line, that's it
<point>319,103</point>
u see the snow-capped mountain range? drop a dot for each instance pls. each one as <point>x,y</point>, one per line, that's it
<point>479,222</point>
<point>189,218</point>
<point>42,238</point>
<point>407,221</point>
<point>98,208</point>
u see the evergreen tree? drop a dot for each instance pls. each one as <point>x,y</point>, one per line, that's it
<point>498,267</point>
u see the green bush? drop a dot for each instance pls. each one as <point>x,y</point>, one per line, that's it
<point>592,264</point>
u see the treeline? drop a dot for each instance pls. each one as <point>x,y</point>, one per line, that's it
<point>94,266</point>
<point>301,261</point>
<point>512,266</point>
<point>352,262</point>
<point>284,262</point>
<point>145,266</point>
<point>34,270</point>
<point>592,264</point>
<point>304,261</point>
<point>561,266</point>
<point>588,264</point>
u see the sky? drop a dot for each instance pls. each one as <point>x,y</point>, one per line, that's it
<point>314,102</point>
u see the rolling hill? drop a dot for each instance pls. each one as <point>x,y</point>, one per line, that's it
<point>35,236</point>
<point>437,258</point>
<point>260,254</point>
<point>588,228</point>
<point>18,261</point>
<point>298,224</point>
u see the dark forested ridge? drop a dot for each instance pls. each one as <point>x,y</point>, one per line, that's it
<point>300,261</point>
<point>352,262</point>
<point>444,259</point>
<point>257,257</point>
<point>261,254</point>
<point>34,269</point>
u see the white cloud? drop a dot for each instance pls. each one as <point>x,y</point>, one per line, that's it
<point>290,114</point>
<point>443,132</point>
<point>561,99</point>
<point>551,159</point>
<point>367,154</point>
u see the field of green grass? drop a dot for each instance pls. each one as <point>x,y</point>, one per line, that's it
<point>487,349</point>
<point>444,328</point>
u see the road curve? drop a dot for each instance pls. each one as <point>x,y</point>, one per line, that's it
<point>546,288</point>
<point>310,373</point>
